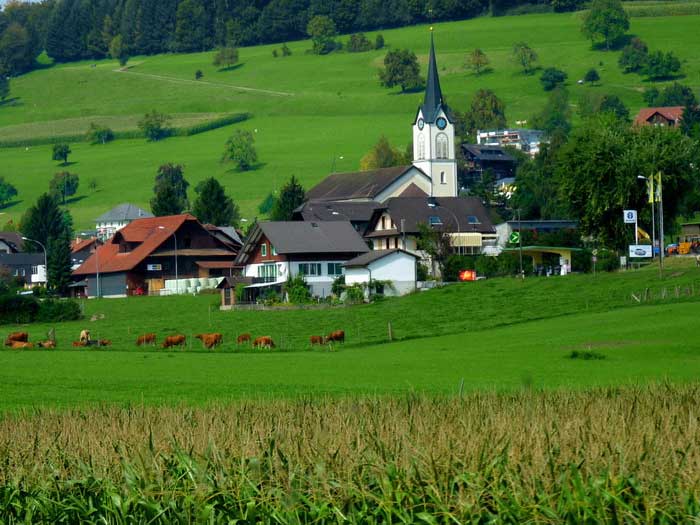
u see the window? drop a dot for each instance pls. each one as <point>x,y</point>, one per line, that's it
<point>443,178</point>
<point>434,220</point>
<point>335,269</point>
<point>383,223</point>
<point>386,243</point>
<point>263,249</point>
<point>396,242</point>
<point>35,270</point>
<point>442,146</point>
<point>272,249</point>
<point>421,147</point>
<point>268,272</point>
<point>473,219</point>
<point>310,269</point>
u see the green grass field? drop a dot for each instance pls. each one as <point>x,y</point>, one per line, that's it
<point>311,114</point>
<point>493,334</point>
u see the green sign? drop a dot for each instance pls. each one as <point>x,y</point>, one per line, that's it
<point>514,238</point>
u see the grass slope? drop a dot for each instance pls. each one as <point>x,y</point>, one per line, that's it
<point>311,114</point>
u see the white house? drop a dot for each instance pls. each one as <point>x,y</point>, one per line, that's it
<point>397,266</point>
<point>117,218</point>
<point>274,251</point>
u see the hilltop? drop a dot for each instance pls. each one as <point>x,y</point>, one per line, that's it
<point>310,114</point>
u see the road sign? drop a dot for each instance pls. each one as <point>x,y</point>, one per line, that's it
<point>640,250</point>
<point>514,238</point>
<point>630,216</point>
<point>594,252</point>
<point>594,259</point>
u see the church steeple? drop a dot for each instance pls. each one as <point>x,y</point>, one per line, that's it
<point>433,94</point>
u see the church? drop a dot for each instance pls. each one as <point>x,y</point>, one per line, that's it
<point>387,205</point>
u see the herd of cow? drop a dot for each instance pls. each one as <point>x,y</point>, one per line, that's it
<point>20,340</point>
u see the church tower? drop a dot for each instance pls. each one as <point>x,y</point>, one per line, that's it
<point>434,136</point>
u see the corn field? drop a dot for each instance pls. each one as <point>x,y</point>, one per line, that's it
<point>608,455</point>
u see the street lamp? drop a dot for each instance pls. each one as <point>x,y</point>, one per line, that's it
<point>652,193</point>
<point>46,261</point>
<point>177,284</point>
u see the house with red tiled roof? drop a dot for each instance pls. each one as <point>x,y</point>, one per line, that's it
<point>147,254</point>
<point>81,249</point>
<point>664,116</point>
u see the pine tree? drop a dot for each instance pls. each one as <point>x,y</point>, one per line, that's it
<point>170,191</point>
<point>213,206</point>
<point>43,221</point>
<point>190,30</point>
<point>291,197</point>
<point>59,261</point>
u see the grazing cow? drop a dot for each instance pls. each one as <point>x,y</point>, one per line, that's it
<point>338,335</point>
<point>146,339</point>
<point>20,345</point>
<point>317,340</point>
<point>210,340</point>
<point>243,338</point>
<point>104,342</point>
<point>85,336</point>
<point>174,340</point>
<point>46,344</point>
<point>79,344</point>
<point>17,337</point>
<point>264,342</point>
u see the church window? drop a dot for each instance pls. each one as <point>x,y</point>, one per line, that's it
<point>421,146</point>
<point>441,146</point>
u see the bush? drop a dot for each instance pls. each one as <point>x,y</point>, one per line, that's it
<point>98,134</point>
<point>198,74</point>
<point>58,310</point>
<point>607,261</point>
<point>422,272</point>
<point>592,75</point>
<point>358,43</point>
<point>240,292</point>
<point>379,42</point>
<point>154,126</point>
<point>552,77</point>
<point>338,286</point>
<point>286,51</point>
<point>355,294</point>
<point>17,309</point>
<point>297,290</point>
<point>585,354</point>
<point>634,56</point>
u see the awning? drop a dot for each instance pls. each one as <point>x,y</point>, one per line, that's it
<point>79,284</point>
<point>464,239</point>
<point>264,285</point>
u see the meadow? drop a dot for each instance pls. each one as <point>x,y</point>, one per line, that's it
<point>311,114</point>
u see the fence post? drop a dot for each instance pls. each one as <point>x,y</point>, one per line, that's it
<point>391,332</point>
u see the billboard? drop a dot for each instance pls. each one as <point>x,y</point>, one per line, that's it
<point>640,250</point>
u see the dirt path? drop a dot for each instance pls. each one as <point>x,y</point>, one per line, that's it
<point>217,84</point>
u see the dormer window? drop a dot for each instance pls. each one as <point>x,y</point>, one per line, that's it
<point>434,220</point>
<point>473,219</point>
<point>263,249</point>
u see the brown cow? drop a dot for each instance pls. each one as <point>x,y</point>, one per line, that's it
<point>174,340</point>
<point>338,335</point>
<point>243,338</point>
<point>20,345</point>
<point>317,340</point>
<point>17,337</point>
<point>264,342</point>
<point>79,344</point>
<point>104,342</point>
<point>210,340</point>
<point>146,339</point>
<point>46,344</point>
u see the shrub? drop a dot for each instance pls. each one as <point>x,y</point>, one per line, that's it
<point>58,310</point>
<point>274,53</point>
<point>379,42</point>
<point>297,290</point>
<point>98,134</point>
<point>154,125</point>
<point>422,272</point>
<point>552,77</point>
<point>607,261</point>
<point>358,43</point>
<point>634,56</point>
<point>585,354</point>
<point>592,75</point>
<point>240,292</point>
<point>286,51</point>
<point>198,74</point>
<point>18,309</point>
<point>354,294</point>
<point>338,286</point>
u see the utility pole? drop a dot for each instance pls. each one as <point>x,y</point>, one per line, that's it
<point>661,226</point>
<point>520,245</point>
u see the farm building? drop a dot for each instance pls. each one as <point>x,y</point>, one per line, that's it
<point>147,253</point>
<point>397,266</point>
<point>11,242</point>
<point>665,116</point>
<point>29,268</point>
<point>117,218</point>
<point>275,251</point>
<point>479,159</point>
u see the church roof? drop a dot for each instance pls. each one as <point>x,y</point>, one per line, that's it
<point>361,185</point>
<point>433,101</point>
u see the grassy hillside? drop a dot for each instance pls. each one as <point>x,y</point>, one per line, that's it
<point>311,114</point>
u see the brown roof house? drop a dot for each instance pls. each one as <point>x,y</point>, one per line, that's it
<point>666,116</point>
<point>159,255</point>
<point>274,251</point>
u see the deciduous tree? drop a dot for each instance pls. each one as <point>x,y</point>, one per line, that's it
<point>591,76</point>
<point>118,51</point>
<point>660,65</point>
<point>7,192</point>
<point>524,56</point>
<point>64,185</point>
<point>322,31</point>
<point>61,152</point>
<point>606,20</point>
<point>382,155</point>
<point>240,149</point>
<point>155,125</point>
<point>634,56</point>
<point>552,77</point>
<point>486,111</point>
<point>226,57</point>
<point>477,61</point>
<point>400,69</point>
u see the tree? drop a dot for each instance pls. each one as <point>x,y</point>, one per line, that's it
<point>213,206</point>
<point>322,31</point>
<point>98,134</point>
<point>477,61</point>
<point>61,152</point>
<point>379,42</point>
<point>63,185</point>
<point>674,95</point>
<point>660,65</point>
<point>382,155</point>
<point>60,262</point>
<point>17,52</point>
<point>4,85</point>
<point>537,187</point>
<point>690,122</point>
<point>634,56</point>
<point>226,57</point>
<point>591,76</point>
<point>118,51</point>
<point>595,103</point>
<point>401,69</point>
<point>437,243</point>
<point>291,197</point>
<point>524,56</point>
<point>486,111</point>
<point>191,27</point>
<point>606,20</point>
<point>598,171</point>
<point>198,74</point>
<point>43,221</point>
<point>7,192</point>
<point>240,149</point>
<point>554,119</point>
<point>285,50</point>
<point>170,191</point>
<point>552,77</point>
<point>358,43</point>
<point>155,125</point>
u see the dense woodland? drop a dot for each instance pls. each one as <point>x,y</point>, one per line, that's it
<point>83,29</point>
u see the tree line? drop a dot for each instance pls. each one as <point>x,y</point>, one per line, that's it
<point>85,29</point>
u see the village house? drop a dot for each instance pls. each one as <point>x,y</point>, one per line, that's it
<point>391,272</point>
<point>480,159</point>
<point>29,268</point>
<point>173,254</point>
<point>11,242</point>
<point>275,251</point>
<point>117,218</point>
<point>665,116</point>
<point>526,140</point>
